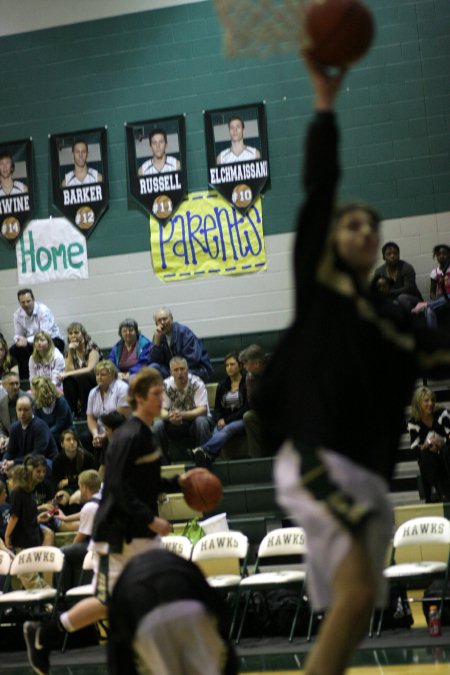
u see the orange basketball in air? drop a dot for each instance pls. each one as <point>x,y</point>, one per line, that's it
<point>202,490</point>
<point>340,31</point>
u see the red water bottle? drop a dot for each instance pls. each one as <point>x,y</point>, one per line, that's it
<point>434,622</point>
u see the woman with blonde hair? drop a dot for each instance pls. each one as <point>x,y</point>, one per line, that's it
<point>81,357</point>
<point>51,406</point>
<point>46,359</point>
<point>429,430</point>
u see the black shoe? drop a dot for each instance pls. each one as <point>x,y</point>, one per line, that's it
<point>38,655</point>
<point>201,458</point>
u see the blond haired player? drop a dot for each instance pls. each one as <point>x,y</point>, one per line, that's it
<point>9,186</point>
<point>81,174</point>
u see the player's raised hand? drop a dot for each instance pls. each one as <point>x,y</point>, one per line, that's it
<point>326,82</point>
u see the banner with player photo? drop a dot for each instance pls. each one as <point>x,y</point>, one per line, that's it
<point>80,181</point>
<point>237,153</point>
<point>17,201</point>
<point>157,171</point>
<point>206,237</point>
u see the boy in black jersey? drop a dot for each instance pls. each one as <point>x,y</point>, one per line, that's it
<point>337,423</point>
<point>126,522</point>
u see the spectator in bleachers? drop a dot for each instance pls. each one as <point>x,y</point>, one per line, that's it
<point>185,412</point>
<point>131,352</point>
<point>229,408</point>
<point>173,339</point>
<point>400,275</point>
<point>436,309</point>
<point>23,530</point>
<point>253,359</point>
<point>8,363</point>
<point>46,359</point>
<point>28,319</point>
<point>28,436</point>
<point>4,509</point>
<point>89,484</point>
<point>8,414</point>
<point>68,465</point>
<point>51,407</point>
<point>109,394</point>
<point>429,429</point>
<point>81,357</point>
<point>42,492</point>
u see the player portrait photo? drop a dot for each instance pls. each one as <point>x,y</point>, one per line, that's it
<point>80,176</point>
<point>238,163</point>
<point>16,188</point>
<point>157,172</point>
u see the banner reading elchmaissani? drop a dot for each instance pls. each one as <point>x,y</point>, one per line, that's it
<point>206,237</point>
<point>51,250</point>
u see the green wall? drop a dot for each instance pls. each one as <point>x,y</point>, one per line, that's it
<point>395,109</point>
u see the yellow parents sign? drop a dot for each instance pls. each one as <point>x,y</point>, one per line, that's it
<point>206,237</point>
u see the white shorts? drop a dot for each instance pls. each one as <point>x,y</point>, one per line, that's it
<point>108,568</point>
<point>179,638</point>
<point>327,539</point>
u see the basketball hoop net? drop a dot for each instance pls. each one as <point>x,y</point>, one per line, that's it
<point>261,27</point>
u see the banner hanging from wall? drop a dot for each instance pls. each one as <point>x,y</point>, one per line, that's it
<point>16,188</point>
<point>51,250</point>
<point>79,162</point>
<point>206,237</point>
<point>237,153</point>
<point>157,170</point>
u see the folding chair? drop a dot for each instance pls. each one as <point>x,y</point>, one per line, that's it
<point>280,543</point>
<point>178,544</point>
<point>416,537</point>
<point>222,556</point>
<point>38,559</point>
<point>82,591</point>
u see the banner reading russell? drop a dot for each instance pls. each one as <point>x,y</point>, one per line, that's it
<point>157,171</point>
<point>79,162</point>
<point>206,237</point>
<point>16,188</point>
<point>237,152</point>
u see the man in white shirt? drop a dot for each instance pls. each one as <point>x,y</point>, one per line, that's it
<point>28,319</point>
<point>185,412</point>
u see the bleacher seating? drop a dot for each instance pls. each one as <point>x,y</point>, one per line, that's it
<point>249,498</point>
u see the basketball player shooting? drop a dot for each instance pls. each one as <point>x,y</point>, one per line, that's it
<point>336,421</point>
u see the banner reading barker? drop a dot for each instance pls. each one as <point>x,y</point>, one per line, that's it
<point>80,176</point>
<point>237,151</point>
<point>157,170</point>
<point>16,188</point>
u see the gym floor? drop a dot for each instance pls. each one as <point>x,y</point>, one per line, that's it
<point>399,652</point>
